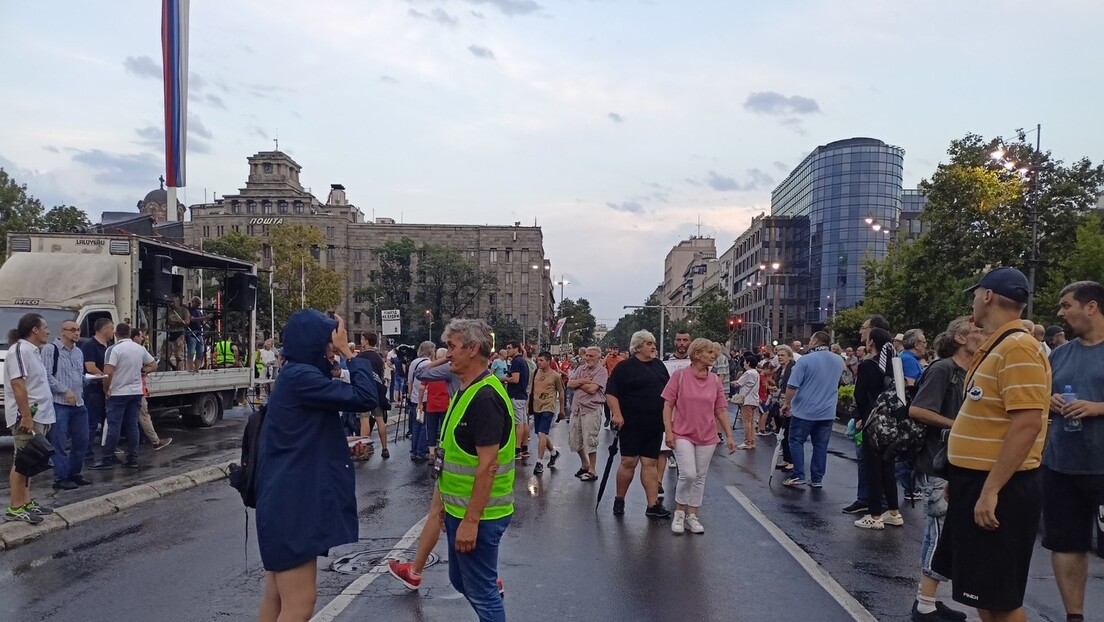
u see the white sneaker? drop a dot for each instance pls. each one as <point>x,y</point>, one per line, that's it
<point>893,519</point>
<point>671,464</point>
<point>693,524</point>
<point>678,522</point>
<point>745,446</point>
<point>869,522</point>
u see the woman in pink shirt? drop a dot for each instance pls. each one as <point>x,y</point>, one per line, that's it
<point>694,408</point>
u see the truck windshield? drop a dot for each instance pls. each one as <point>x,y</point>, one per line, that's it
<point>9,319</point>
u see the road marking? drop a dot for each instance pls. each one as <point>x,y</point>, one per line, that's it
<point>815,570</point>
<point>340,602</point>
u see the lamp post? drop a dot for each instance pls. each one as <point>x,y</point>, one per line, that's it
<point>775,266</point>
<point>429,318</point>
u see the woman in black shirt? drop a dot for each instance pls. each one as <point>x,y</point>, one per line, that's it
<point>875,373</point>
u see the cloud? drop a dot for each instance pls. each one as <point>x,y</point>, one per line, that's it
<point>143,67</point>
<point>52,149</point>
<point>478,15</point>
<point>772,103</point>
<point>195,126</point>
<point>616,118</point>
<point>438,16</point>
<point>632,207</point>
<point>122,169</point>
<point>794,124</point>
<point>481,52</point>
<point>389,80</point>
<point>756,180</point>
<point>510,7</point>
<point>215,101</point>
<point>259,131</point>
<point>782,166</point>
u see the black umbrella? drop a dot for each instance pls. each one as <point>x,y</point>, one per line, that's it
<point>606,473</point>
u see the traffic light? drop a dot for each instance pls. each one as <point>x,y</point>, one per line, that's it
<point>735,323</point>
<point>739,322</point>
<point>731,323</point>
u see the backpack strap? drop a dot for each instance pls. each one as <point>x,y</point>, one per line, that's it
<point>1007,333</point>
<point>57,354</point>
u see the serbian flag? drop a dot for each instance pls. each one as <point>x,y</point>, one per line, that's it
<point>174,49</point>
<point>559,326</point>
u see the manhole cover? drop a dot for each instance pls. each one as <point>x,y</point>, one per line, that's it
<point>360,562</point>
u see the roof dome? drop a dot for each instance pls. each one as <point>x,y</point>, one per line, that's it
<point>159,196</point>
<point>156,204</point>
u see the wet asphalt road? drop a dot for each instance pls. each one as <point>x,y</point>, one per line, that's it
<point>192,557</point>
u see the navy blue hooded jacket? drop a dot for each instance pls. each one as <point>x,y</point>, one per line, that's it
<point>306,498</point>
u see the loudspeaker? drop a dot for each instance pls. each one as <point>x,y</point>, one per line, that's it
<point>155,279</point>
<point>178,285</point>
<point>241,292</point>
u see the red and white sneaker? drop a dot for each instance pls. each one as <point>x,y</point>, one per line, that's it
<point>402,571</point>
<point>501,588</point>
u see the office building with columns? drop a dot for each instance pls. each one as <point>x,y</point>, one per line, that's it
<point>274,195</point>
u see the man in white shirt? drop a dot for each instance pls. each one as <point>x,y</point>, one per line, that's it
<point>29,408</point>
<point>123,387</point>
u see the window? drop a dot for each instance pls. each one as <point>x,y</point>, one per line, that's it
<point>268,168</point>
<point>509,278</point>
<point>235,207</point>
<point>509,300</point>
<point>281,206</point>
<point>492,299</point>
<point>524,300</point>
<point>331,254</point>
<point>358,254</point>
<point>525,278</point>
<point>298,207</point>
<point>509,254</point>
<point>266,207</point>
<point>237,228</point>
<point>266,250</point>
<point>330,232</point>
<point>251,207</point>
<point>525,255</point>
<point>220,230</point>
<point>356,317</point>
<point>494,255</point>
<point>206,231</point>
<point>249,229</point>
<point>358,276</point>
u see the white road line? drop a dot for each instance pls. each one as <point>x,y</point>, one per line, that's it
<point>815,570</point>
<point>334,608</point>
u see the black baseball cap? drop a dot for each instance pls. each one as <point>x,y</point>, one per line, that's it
<point>1008,282</point>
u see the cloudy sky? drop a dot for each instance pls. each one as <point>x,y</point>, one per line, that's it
<point>616,125</point>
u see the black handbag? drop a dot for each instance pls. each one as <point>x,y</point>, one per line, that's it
<point>35,456</point>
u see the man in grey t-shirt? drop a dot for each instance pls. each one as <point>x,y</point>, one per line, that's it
<point>1073,460</point>
<point>123,388</point>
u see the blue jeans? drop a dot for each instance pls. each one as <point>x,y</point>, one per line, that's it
<point>122,411</point>
<point>70,420</point>
<point>820,432</point>
<point>433,427</point>
<point>419,442</point>
<point>97,412</point>
<point>861,494</point>
<point>474,574</point>
<point>935,507</point>
<point>903,470</point>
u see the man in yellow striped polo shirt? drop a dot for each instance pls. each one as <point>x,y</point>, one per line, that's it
<point>995,449</point>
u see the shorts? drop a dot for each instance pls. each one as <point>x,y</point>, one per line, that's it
<point>542,422</point>
<point>640,440</point>
<point>988,569</point>
<point>521,411</point>
<point>1070,507</point>
<point>583,433</point>
<point>377,412</point>
<point>21,439</point>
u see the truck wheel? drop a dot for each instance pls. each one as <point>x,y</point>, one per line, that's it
<point>205,411</point>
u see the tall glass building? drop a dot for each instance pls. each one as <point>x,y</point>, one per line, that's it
<point>833,193</point>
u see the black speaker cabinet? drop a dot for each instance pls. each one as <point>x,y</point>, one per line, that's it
<point>156,279</point>
<point>241,292</point>
<point>178,285</point>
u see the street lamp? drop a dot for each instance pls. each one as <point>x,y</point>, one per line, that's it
<point>429,318</point>
<point>999,156</point>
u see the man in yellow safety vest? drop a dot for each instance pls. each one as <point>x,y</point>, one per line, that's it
<point>474,467</point>
<point>226,353</point>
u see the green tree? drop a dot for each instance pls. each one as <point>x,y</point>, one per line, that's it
<point>64,219</point>
<point>504,329</point>
<point>580,322</point>
<point>1081,263</point>
<point>711,319</point>
<point>635,320</point>
<point>448,284</point>
<point>19,211</point>
<point>295,253</point>
<point>247,248</point>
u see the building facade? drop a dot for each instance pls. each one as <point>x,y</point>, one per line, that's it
<point>273,196</point>
<point>678,276</point>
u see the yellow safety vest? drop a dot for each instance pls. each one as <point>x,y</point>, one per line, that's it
<point>224,352</point>
<point>457,478</point>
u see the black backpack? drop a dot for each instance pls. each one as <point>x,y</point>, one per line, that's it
<point>243,477</point>
<point>892,433</point>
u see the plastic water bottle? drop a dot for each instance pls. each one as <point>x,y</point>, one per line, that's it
<point>1069,397</point>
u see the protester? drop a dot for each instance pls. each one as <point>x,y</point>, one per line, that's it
<point>434,400</point>
<point>937,402</point>
<point>123,387</point>
<point>419,447</point>
<point>861,504</point>
<point>499,364</point>
<point>306,496</point>
<point>912,362</point>
<point>1054,336</point>
<point>995,450</point>
<point>517,387</point>
<point>698,396</point>
<point>194,334</point>
<point>1073,463</point>
<point>177,321</point>
<point>369,352</point>
<point>635,397</point>
<point>811,401</point>
<point>476,479</point>
<point>145,421</point>
<point>547,395</point>
<point>589,382</point>
<point>28,409</point>
<point>875,375</point>
<point>94,352</point>
<point>64,364</point>
<point>748,383</point>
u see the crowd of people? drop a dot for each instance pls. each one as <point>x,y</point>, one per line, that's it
<point>989,470</point>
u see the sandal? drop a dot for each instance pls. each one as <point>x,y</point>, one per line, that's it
<point>588,477</point>
<point>580,472</point>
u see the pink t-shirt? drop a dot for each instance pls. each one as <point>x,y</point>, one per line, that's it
<point>696,401</point>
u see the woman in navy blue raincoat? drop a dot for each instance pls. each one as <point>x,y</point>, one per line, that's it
<point>306,498</point>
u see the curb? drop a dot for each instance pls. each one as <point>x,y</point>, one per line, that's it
<point>16,534</point>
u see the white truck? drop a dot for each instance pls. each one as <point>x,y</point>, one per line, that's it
<point>129,278</point>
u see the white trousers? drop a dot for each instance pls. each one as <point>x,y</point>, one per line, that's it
<point>693,465</point>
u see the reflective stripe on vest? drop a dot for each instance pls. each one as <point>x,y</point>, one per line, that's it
<point>457,478</point>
